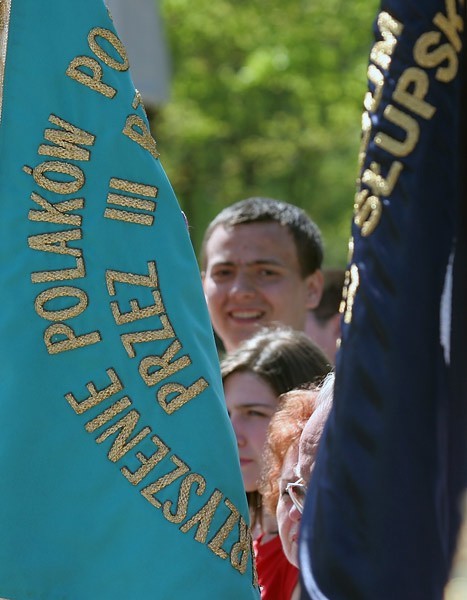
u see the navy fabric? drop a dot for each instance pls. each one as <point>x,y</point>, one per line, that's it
<point>382,513</point>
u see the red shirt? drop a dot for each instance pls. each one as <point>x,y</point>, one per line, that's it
<point>277,577</point>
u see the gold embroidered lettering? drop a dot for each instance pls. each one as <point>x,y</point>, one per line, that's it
<point>60,274</point>
<point>350,250</point>
<point>136,311</point>
<point>367,211</point>
<point>152,489</point>
<point>218,540</point>
<point>67,141</point>
<point>57,212</point>
<point>58,186</point>
<point>56,242</point>
<point>108,414</point>
<point>138,204</point>
<point>95,396</point>
<point>203,518</point>
<point>381,53</point>
<point>131,279</point>
<point>183,394</point>
<point>379,185</point>
<point>147,464</point>
<point>137,100</point>
<point>372,101</point>
<point>350,291</point>
<point>165,366</point>
<point>105,56</point>
<point>123,185</point>
<point>64,313</point>
<point>451,25</point>
<point>183,497</point>
<point>405,122</point>
<point>137,130</point>
<point>191,483</point>
<point>417,81</point>
<point>241,549</point>
<point>71,341</point>
<point>429,59</point>
<point>139,337</point>
<point>94,81</point>
<point>253,563</point>
<point>125,428</point>
<point>127,216</point>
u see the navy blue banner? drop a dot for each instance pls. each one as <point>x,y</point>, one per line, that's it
<point>382,514</point>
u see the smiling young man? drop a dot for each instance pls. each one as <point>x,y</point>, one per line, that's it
<point>261,265</point>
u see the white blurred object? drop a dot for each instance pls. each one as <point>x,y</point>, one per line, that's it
<point>139,26</point>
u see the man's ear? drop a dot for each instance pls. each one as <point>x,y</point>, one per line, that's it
<point>314,284</point>
<point>336,325</point>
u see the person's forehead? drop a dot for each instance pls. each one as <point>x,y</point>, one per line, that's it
<point>309,441</point>
<point>251,243</point>
<point>307,437</point>
<point>245,387</point>
<point>289,464</point>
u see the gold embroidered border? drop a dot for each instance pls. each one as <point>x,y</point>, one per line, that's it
<point>5,11</point>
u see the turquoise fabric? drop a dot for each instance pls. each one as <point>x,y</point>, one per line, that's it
<point>120,476</point>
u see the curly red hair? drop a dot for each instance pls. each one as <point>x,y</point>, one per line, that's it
<point>285,428</point>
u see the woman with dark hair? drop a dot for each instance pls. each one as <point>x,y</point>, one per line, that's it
<point>272,362</point>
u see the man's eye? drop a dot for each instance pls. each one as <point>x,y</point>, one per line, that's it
<point>267,272</point>
<point>221,273</point>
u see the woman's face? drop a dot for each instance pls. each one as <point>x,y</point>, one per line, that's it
<point>251,403</point>
<point>288,516</point>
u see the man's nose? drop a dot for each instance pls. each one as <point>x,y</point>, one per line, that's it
<point>243,285</point>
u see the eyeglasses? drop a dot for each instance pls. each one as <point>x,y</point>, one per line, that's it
<point>297,493</point>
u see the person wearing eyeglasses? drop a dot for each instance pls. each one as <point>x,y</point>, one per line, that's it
<point>311,434</point>
<point>282,491</point>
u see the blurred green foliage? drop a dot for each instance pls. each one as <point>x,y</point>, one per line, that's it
<point>266,100</point>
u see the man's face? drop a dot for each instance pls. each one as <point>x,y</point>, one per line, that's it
<point>253,279</point>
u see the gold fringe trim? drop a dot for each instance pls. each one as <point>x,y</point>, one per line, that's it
<point>5,11</point>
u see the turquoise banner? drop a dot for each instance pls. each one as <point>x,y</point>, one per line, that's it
<point>120,476</point>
